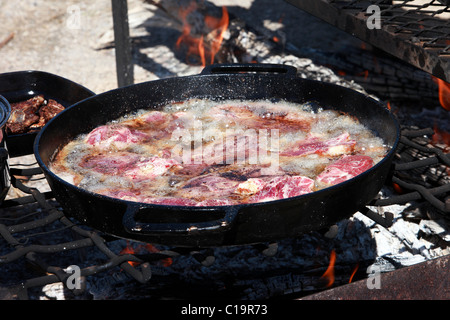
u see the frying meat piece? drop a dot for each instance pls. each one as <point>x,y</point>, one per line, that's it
<point>345,168</point>
<point>341,144</point>
<point>148,168</point>
<point>114,136</point>
<point>250,187</point>
<point>244,148</point>
<point>111,164</point>
<point>24,114</point>
<point>284,187</point>
<point>207,187</point>
<point>268,119</point>
<point>129,165</point>
<point>154,119</point>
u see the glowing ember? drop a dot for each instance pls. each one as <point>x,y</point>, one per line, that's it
<point>219,27</point>
<point>397,188</point>
<point>389,105</point>
<point>329,273</point>
<point>441,137</point>
<point>365,74</point>
<point>142,249</point>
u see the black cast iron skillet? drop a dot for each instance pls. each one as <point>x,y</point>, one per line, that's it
<point>22,85</point>
<point>226,225</point>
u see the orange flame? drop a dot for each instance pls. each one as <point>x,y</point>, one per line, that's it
<point>444,93</point>
<point>130,249</point>
<point>196,45</point>
<point>219,26</point>
<point>364,73</point>
<point>353,273</point>
<point>329,273</point>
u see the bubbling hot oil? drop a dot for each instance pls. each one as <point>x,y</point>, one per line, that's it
<point>202,122</point>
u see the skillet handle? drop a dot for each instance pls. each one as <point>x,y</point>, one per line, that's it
<point>132,225</point>
<point>249,67</point>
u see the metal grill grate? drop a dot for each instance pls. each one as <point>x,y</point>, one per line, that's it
<point>416,31</point>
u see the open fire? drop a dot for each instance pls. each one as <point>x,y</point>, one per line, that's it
<point>143,249</point>
<point>201,48</point>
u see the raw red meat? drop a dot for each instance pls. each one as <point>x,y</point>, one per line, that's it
<point>336,146</point>
<point>129,165</point>
<point>345,168</point>
<point>268,120</point>
<point>111,164</point>
<point>284,187</point>
<point>155,119</point>
<point>148,168</point>
<point>208,187</point>
<point>119,136</point>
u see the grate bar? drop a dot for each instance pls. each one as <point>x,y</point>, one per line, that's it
<point>57,274</point>
<point>417,33</point>
<point>434,157</point>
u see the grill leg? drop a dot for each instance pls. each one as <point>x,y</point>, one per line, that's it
<point>124,64</point>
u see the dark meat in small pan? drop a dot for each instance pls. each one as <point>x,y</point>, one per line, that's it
<point>24,114</point>
<point>51,109</point>
<point>46,112</point>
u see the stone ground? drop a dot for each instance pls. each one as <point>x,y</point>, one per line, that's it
<point>64,37</point>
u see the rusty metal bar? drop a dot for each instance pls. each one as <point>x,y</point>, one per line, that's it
<point>122,41</point>
<point>429,280</point>
<point>413,33</point>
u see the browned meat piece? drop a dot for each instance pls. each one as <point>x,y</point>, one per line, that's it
<point>51,109</point>
<point>46,112</point>
<point>24,114</point>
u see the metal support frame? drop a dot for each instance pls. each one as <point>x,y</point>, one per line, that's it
<point>122,40</point>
